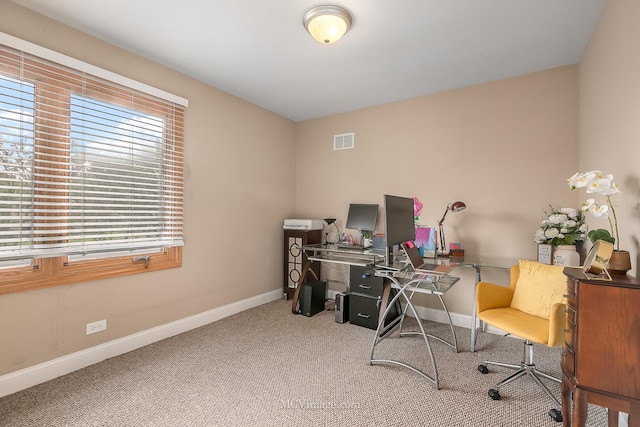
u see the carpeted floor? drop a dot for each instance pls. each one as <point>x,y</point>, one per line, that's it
<point>268,367</point>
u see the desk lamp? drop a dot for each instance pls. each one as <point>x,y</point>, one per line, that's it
<point>453,207</point>
<point>325,239</point>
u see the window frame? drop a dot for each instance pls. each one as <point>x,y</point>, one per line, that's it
<point>57,271</point>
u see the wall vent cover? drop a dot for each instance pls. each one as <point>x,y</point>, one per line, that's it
<point>343,141</point>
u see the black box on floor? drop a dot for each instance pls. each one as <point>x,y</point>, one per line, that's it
<point>312,297</point>
<point>342,308</point>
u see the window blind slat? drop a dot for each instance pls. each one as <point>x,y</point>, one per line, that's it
<point>24,46</point>
<point>86,165</point>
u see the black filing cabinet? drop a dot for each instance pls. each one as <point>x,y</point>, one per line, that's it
<point>365,298</point>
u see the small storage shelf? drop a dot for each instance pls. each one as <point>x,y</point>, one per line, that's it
<point>295,257</point>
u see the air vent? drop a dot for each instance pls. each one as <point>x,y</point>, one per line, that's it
<point>343,141</point>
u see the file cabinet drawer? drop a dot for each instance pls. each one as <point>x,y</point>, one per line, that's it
<point>362,280</point>
<point>364,310</point>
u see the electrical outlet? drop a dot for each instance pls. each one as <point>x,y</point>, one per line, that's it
<point>100,325</point>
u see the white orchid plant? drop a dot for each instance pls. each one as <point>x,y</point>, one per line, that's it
<point>595,182</point>
<point>564,226</point>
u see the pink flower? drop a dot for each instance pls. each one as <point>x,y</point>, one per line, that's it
<point>417,207</point>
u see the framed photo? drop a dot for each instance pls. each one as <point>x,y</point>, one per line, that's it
<point>595,265</point>
<point>545,253</point>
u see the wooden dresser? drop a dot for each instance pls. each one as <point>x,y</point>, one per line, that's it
<point>601,357</point>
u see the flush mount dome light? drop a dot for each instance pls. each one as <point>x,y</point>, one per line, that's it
<point>327,23</point>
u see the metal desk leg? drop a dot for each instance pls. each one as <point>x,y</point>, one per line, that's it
<point>474,314</point>
<point>453,344</point>
<point>453,331</point>
<point>377,338</point>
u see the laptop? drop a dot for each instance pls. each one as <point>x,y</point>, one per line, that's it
<point>419,265</point>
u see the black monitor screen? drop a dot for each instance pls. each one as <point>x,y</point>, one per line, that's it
<point>362,217</point>
<point>398,220</point>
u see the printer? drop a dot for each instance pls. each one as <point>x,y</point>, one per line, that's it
<point>303,224</point>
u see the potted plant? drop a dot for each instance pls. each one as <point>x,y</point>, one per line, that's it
<point>562,228</point>
<point>597,183</point>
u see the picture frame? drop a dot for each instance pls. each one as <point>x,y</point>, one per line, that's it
<point>597,261</point>
<point>545,253</point>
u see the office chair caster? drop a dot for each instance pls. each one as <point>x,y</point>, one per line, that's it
<point>556,415</point>
<point>494,394</point>
<point>483,369</point>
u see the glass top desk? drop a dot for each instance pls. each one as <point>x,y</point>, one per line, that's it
<point>407,283</point>
<point>341,255</point>
<point>376,257</point>
<point>334,254</point>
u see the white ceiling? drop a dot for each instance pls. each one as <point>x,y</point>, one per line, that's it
<point>258,50</point>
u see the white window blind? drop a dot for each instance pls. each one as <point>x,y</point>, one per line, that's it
<point>86,165</point>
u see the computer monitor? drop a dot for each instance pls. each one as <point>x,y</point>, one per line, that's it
<point>362,217</point>
<point>399,221</point>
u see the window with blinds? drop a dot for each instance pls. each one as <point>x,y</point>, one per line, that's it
<point>88,167</point>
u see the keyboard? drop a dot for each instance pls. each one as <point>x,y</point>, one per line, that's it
<point>417,275</point>
<point>350,247</point>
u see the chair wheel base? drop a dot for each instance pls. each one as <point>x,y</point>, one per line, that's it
<point>494,394</point>
<point>556,415</point>
<point>483,369</point>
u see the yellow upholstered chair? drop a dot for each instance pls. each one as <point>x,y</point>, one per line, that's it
<point>531,308</point>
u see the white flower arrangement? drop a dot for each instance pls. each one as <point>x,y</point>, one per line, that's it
<point>564,226</point>
<point>595,182</point>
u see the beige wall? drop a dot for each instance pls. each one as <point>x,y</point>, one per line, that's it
<point>237,191</point>
<point>610,114</point>
<point>504,148</point>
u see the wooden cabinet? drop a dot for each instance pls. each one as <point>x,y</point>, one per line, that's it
<point>601,355</point>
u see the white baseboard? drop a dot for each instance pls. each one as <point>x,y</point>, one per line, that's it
<point>24,378</point>
<point>437,315</point>
<point>462,320</point>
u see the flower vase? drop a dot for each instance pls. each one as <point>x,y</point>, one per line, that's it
<point>619,263</point>
<point>566,255</point>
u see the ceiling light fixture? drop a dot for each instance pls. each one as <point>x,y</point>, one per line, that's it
<point>327,23</point>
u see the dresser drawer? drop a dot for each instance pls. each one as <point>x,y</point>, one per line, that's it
<point>571,316</point>
<point>570,294</point>
<point>569,361</point>
<point>570,334</point>
<point>364,281</point>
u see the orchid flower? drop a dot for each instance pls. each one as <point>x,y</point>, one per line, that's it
<point>417,207</point>
<point>595,182</point>
<point>594,209</point>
